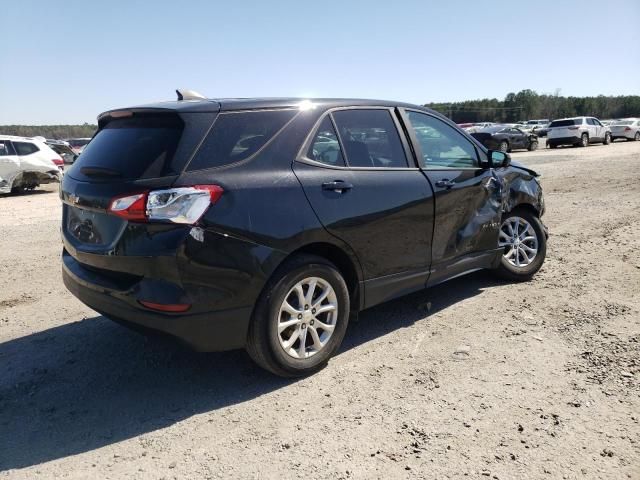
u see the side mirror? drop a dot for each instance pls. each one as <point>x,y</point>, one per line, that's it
<point>499,159</point>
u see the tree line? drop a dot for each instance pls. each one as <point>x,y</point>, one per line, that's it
<point>529,105</point>
<point>57,132</point>
<point>524,105</point>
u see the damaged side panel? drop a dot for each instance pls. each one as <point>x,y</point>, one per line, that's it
<point>24,172</point>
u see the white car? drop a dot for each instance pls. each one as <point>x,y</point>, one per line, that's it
<point>577,131</point>
<point>628,128</point>
<point>26,163</point>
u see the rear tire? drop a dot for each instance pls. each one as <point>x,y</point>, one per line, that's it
<point>584,140</point>
<point>533,146</point>
<point>552,145</point>
<point>531,236</point>
<point>292,351</point>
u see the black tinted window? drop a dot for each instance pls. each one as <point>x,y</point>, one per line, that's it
<point>370,138</point>
<point>237,136</point>
<point>566,123</point>
<point>138,147</point>
<point>25,148</point>
<point>325,147</point>
<point>442,146</point>
<point>6,148</point>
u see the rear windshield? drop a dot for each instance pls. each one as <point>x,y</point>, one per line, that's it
<point>237,136</point>
<point>625,122</point>
<point>566,123</point>
<point>138,147</point>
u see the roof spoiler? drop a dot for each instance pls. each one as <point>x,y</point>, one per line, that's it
<point>184,94</point>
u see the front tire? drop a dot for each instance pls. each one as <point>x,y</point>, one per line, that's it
<point>300,318</point>
<point>607,139</point>
<point>533,146</point>
<point>525,245</point>
<point>636,137</point>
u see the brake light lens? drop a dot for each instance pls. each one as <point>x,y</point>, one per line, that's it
<point>184,205</point>
<point>130,207</point>
<point>627,129</point>
<point>58,161</point>
<point>572,128</point>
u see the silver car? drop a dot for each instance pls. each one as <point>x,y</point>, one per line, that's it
<point>628,128</point>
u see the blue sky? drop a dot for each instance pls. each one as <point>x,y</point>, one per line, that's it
<point>67,61</point>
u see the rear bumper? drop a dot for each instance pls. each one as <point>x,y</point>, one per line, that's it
<point>210,331</point>
<point>628,135</point>
<point>563,140</point>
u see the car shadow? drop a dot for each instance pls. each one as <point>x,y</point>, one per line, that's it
<point>91,383</point>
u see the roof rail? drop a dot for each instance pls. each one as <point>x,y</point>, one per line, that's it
<point>184,94</point>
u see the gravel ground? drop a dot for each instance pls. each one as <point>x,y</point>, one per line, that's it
<point>474,378</point>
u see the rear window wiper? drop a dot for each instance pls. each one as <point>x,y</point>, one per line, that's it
<point>100,172</point>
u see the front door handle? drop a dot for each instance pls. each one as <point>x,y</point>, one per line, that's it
<point>445,183</point>
<point>337,186</point>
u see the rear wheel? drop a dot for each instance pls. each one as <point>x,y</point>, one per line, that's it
<point>525,245</point>
<point>533,146</point>
<point>504,146</point>
<point>552,145</point>
<point>300,319</point>
<point>584,140</point>
<point>607,139</point>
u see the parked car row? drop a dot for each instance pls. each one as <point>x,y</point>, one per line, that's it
<point>576,131</point>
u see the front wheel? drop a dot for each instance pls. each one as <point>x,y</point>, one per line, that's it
<point>300,319</point>
<point>533,146</point>
<point>636,137</point>
<point>525,245</point>
<point>607,138</point>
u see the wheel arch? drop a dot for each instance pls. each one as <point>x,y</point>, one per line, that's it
<point>348,266</point>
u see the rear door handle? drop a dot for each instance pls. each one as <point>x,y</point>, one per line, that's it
<point>337,186</point>
<point>445,183</point>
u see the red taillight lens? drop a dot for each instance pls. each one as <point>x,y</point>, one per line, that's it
<point>572,128</point>
<point>58,161</point>
<point>166,307</point>
<point>627,129</point>
<point>130,207</point>
<point>184,205</point>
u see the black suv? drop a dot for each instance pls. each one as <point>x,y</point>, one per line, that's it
<point>268,223</point>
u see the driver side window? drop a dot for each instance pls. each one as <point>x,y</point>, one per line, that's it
<point>442,146</point>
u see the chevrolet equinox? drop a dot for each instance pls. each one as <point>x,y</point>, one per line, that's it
<point>267,224</point>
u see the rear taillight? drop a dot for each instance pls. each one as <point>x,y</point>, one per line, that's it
<point>573,128</point>
<point>131,207</point>
<point>627,129</point>
<point>176,205</point>
<point>58,161</point>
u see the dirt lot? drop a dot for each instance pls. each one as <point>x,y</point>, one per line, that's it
<point>474,378</point>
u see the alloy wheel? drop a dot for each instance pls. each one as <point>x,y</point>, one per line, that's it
<point>519,240</point>
<point>307,317</point>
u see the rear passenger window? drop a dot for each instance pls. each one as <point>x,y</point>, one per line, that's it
<point>237,136</point>
<point>370,138</point>
<point>25,148</point>
<point>5,148</point>
<point>325,147</point>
